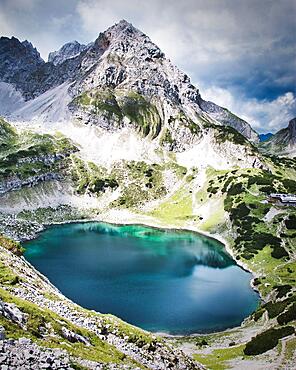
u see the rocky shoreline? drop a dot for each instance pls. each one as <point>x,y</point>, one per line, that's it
<point>157,354</point>
<point>75,314</point>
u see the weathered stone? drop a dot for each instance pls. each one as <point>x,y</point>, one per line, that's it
<point>74,337</point>
<point>10,311</point>
<point>2,333</point>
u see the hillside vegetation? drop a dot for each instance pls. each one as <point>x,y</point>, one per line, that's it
<point>230,203</point>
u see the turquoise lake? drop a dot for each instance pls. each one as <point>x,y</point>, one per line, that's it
<point>176,282</point>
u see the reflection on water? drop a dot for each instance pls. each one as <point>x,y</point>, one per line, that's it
<point>161,280</point>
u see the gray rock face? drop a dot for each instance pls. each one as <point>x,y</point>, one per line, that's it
<point>67,51</point>
<point>73,337</point>
<point>292,131</point>
<point>283,142</point>
<point>16,55</point>
<point>227,118</point>
<point>24,354</point>
<point>16,183</point>
<point>18,61</point>
<point>2,333</point>
<point>123,58</point>
<point>21,65</point>
<point>11,312</point>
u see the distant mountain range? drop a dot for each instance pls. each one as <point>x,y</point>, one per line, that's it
<point>283,142</point>
<point>264,137</point>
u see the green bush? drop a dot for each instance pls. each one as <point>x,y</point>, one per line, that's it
<point>258,314</point>
<point>260,180</point>
<point>240,211</point>
<point>275,308</point>
<point>290,185</point>
<point>279,252</point>
<point>291,222</point>
<point>287,316</point>
<point>235,189</point>
<point>212,189</point>
<point>267,340</point>
<point>282,290</point>
<point>268,189</point>
<point>102,184</point>
<point>11,245</point>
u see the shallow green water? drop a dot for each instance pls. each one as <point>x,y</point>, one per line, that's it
<point>175,282</point>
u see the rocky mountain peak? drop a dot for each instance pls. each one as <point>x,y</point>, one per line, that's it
<point>127,41</point>
<point>124,60</point>
<point>67,51</point>
<point>292,132</point>
<point>17,59</point>
<point>32,50</point>
<point>12,48</point>
<point>123,29</point>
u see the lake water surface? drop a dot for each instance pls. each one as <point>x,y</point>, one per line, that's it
<point>176,282</point>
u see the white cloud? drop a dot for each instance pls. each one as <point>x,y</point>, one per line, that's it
<point>263,115</point>
<point>21,4</point>
<point>219,42</point>
<point>204,31</point>
<point>5,28</point>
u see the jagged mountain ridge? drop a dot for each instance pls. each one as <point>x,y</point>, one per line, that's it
<point>18,61</point>
<point>283,142</point>
<point>122,58</point>
<point>67,51</point>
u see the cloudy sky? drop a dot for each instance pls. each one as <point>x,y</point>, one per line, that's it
<point>240,53</point>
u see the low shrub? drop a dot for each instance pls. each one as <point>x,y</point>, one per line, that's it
<point>291,222</point>
<point>282,290</point>
<point>276,308</point>
<point>290,185</point>
<point>267,340</point>
<point>235,189</point>
<point>287,316</point>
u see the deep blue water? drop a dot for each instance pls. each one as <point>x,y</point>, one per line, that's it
<point>169,281</point>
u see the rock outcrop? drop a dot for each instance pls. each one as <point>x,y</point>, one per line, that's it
<point>24,354</point>
<point>283,142</point>
<point>11,312</point>
<point>67,51</point>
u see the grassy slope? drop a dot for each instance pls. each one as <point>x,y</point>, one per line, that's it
<point>116,105</point>
<point>262,243</point>
<point>26,155</point>
<point>257,236</point>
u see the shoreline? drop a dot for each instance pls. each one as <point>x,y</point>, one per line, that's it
<point>165,227</point>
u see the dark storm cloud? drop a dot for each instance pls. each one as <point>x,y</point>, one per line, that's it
<point>245,48</point>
